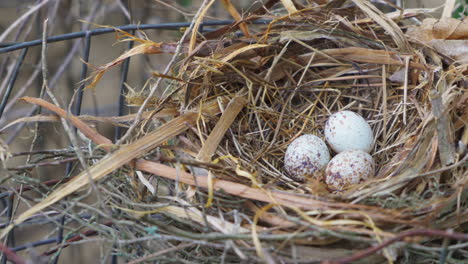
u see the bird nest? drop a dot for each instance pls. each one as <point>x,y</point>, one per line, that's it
<point>200,172</point>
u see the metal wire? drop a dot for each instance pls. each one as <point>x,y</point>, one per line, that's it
<point>8,196</point>
<point>12,81</point>
<point>7,47</point>
<point>35,244</point>
<point>84,71</point>
<point>123,80</point>
<point>76,110</point>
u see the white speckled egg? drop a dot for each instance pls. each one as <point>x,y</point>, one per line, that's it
<point>347,168</point>
<point>346,130</point>
<point>306,156</point>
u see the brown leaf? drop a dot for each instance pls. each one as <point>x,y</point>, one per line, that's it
<point>114,160</point>
<point>445,28</point>
<point>232,10</point>
<point>147,47</point>
<point>455,49</point>
<point>356,54</point>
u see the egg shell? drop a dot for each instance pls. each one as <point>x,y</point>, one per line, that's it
<point>346,130</point>
<point>305,157</point>
<point>347,168</point>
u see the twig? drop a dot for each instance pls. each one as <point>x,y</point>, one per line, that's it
<point>461,162</point>
<point>55,152</point>
<point>216,236</point>
<point>179,9</point>
<point>66,127</point>
<point>23,17</point>
<point>446,148</point>
<point>11,255</point>
<point>421,232</point>
<point>444,251</point>
<point>146,143</point>
<point>45,183</point>
<point>46,163</point>
<point>159,253</point>
<point>384,101</point>
<point>75,238</point>
<point>405,88</point>
<point>165,72</point>
<point>63,66</point>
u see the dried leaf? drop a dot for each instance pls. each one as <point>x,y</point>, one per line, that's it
<point>147,47</point>
<point>289,5</point>
<point>213,140</point>
<point>242,50</point>
<point>232,10</point>
<point>386,23</point>
<point>399,14</point>
<point>145,182</point>
<point>111,161</point>
<point>116,121</point>
<point>455,49</point>
<point>85,129</point>
<point>196,26</point>
<point>445,28</point>
<point>269,196</point>
<point>371,56</point>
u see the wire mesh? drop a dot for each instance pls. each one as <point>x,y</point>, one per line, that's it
<point>7,197</point>
<point>74,221</point>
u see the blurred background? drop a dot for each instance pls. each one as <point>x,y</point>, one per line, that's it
<point>22,20</point>
<point>63,57</point>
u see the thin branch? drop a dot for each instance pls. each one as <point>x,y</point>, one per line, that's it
<point>420,232</point>
<point>166,71</point>
<point>23,17</point>
<point>159,253</point>
<point>11,255</point>
<point>66,127</point>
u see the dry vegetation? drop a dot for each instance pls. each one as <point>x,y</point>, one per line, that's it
<point>198,176</point>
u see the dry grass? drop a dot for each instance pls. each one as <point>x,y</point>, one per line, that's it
<point>221,191</point>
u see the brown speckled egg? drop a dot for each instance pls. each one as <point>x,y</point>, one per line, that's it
<point>348,168</point>
<point>305,157</point>
<point>346,130</point>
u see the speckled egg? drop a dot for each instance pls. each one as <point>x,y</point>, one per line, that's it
<point>346,130</point>
<point>347,168</point>
<point>305,157</point>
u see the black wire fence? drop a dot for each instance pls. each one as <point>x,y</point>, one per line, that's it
<point>54,217</point>
<point>74,221</point>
